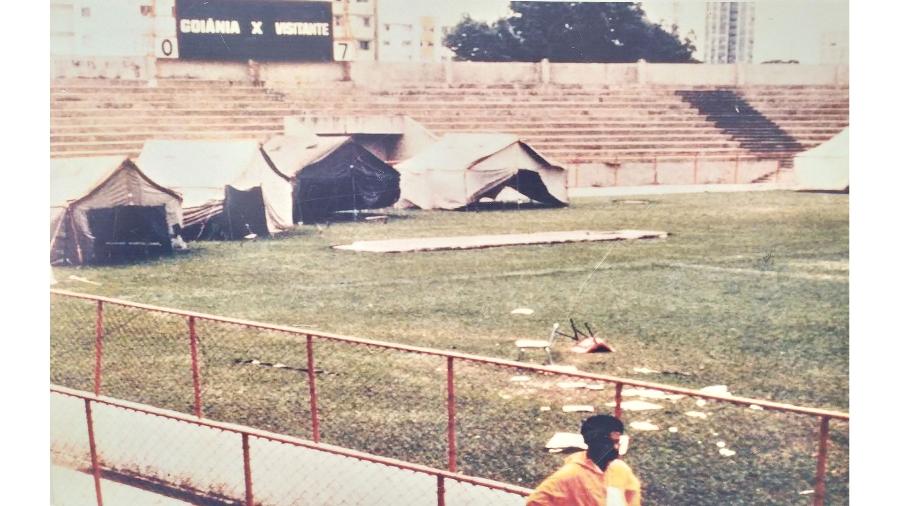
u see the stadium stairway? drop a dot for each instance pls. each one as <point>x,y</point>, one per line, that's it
<point>755,132</point>
<point>570,123</point>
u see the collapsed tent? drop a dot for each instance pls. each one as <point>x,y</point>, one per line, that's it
<point>230,188</point>
<point>104,208</point>
<point>332,174</point>
<point>461,169</point>
<point>826,166</point>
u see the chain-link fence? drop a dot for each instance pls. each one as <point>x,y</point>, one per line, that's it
<point>201,461</point>
<point>462,413</point>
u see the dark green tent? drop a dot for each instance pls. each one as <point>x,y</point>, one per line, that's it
<point>332,173</point>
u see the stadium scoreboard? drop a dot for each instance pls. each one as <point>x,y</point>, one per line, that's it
<point>241,30</point>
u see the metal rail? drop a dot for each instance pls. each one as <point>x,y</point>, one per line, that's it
<point>823,415</point>
<point>246,432</point>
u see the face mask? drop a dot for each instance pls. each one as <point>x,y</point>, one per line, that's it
<point>623,444</point>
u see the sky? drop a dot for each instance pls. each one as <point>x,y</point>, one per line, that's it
<point>785,29</point>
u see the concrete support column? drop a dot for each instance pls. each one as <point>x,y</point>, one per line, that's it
<point>641,71</point>
<point>151,71</point>
<point>448,71</point>
<point>739,74</point>
<point>545,71</point>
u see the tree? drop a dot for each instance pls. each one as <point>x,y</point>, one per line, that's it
<point>612,32</point>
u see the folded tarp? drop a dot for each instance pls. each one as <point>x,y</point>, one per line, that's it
<point>332,173</point>
<point>826,166</point>
<point>230,188</point>
<point>103,205</point>
<point>460,169</point>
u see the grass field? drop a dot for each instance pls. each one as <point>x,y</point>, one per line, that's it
<point>750,291</point>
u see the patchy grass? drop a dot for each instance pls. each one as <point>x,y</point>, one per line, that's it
<point>750,290</point>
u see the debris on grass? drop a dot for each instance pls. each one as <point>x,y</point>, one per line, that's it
<point>595,386</point>
<point>643,426</point>
<point>716,390</point>
<point>696,414</point>
<point>505,396</point>
<point>578,408</point>
<point>677,373</point>
<point>276,365</point>
<point>545,408</point>
<point>725,452</point>
<point>701,402</point>
<point>650,394</point>
<point>565,441</point>
<point>569,385</point>
<point>522,310</point>
<point>673,430</point>
<point>563,368</point>
<point>636,405</point>
<point>721,444</point>
<point>84,280</point>
<point>592,345</point>
<point>520,378</point>
<point>644,370</point>
<point>807,492</point>
<point>756,407</point>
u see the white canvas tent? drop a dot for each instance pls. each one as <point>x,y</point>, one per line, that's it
<point>103,206</point>
<point>460,169</point>
<point>826,166</point>
<point>230,188</point>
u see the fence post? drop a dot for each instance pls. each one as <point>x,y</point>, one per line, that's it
<point>819,496</point>
<point>655,170</point>
<point>737,162</point>
<point>451,418</point>
<point>98,347</point>
<point>440,490</point>
<point>95,465</point>
<point>195,367</point>
<point>311,377</point>
<point>248,476</point>
<point>618,412</point>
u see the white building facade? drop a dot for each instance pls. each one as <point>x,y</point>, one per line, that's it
<point>729,32</point>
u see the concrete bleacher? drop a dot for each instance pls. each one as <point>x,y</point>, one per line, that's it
<point>570,123</point>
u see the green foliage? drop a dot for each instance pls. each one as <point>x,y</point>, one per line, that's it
<point>609,32</point>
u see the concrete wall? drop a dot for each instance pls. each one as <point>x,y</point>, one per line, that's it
<point>671,172</point>
<point>380,74</point>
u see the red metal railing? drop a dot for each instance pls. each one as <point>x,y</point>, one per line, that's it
<point>246,433</point>
<point>823,415</point>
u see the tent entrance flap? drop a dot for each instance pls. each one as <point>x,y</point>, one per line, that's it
<point>128,232</point>
<point>349,179</point>
<point>526,182</point>
<point>243,213</point>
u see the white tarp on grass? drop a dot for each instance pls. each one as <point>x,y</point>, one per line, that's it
<point>826,166</point>
<point>460,169</point>
<point>491,241</point>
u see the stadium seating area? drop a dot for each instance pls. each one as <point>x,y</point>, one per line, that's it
<point>572,124</point>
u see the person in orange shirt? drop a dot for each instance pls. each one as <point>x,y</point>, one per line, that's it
<point>596,477</point>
